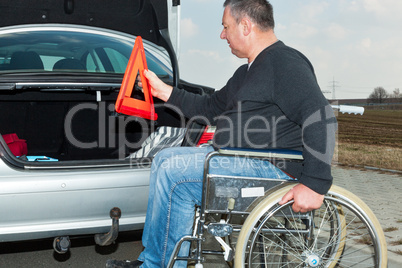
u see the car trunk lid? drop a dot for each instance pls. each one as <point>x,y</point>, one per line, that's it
<point>146,18</point>
<point>139,17</point>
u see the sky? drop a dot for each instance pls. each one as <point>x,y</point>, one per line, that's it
<point>354,45</point>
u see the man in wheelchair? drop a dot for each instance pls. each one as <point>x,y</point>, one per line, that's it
<point>273,101</point>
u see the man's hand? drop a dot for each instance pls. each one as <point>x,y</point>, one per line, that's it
<point>304,198</point>
<point>158,88</point>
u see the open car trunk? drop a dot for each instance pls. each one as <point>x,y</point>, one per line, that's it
<point>67,111</point>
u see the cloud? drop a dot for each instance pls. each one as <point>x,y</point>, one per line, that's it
<point>366,43</point>
<point>376,6</point>
<point>211,55</point>
<point>208,67</point>
<point>336,31</point>
<point>303,30</point>
<point>384,11</point>
<point>312,10</point>
<point>188,28</point>
<point>353,6</point>
<point>280,26</point>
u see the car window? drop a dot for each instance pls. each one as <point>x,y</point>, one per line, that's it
<point>69,51</point>
<point>117,60</point>
<point>49,61</point>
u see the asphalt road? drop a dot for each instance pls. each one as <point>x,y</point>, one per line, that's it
<point>83,252</point>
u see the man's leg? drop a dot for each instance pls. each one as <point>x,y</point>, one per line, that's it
<point>175,189</point>
<point>156,165</point>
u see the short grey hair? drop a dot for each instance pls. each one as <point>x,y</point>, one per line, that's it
<point>258,11</point>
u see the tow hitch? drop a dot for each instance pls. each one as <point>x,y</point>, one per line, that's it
<point>110,237</point>
<point>61,244</point>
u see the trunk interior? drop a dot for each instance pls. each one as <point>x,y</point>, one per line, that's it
<point>76,125</point>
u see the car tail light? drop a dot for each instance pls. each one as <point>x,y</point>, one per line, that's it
<point>207,136</point>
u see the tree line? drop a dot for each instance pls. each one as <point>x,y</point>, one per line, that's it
<point>380,95</point>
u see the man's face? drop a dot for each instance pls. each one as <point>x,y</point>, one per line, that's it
<point>233,34</point>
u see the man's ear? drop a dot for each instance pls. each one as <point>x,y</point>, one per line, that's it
<point>246,25</point>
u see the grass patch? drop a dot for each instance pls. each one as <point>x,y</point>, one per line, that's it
<point>390,229</point>
<point>366,240</point>
<point>369,155</point>
<point>396,243</point>
<point>373,139</point>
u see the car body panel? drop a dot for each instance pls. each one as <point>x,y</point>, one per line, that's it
<point>45,203</point>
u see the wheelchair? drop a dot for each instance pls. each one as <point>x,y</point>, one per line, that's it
<point>253,230</point>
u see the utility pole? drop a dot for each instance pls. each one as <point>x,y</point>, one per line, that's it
<point>333,86</point>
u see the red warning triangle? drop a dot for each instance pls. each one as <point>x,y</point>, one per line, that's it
<point>125,104</point>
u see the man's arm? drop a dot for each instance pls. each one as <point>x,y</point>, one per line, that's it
<point>205,108</point>
<point>301,100</point>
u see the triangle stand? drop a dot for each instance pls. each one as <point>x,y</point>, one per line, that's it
<point>125,104</point>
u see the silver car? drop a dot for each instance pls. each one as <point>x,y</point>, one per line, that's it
<point>61,68</point>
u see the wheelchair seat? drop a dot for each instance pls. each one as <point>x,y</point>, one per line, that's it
<point>263,153</point>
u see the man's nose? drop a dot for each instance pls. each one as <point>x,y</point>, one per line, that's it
<point>223,34</point>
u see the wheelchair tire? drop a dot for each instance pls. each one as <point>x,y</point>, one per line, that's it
<point>345,232</point>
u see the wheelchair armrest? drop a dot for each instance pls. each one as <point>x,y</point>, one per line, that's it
<point>263,153</point>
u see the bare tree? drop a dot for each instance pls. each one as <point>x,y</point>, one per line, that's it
<point>378,95</point>
<point>396,95</point>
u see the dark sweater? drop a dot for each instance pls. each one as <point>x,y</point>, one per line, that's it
<point>277,103</point>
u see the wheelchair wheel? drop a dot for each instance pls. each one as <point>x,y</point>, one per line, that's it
<point>336,221</point>
<point>344,232</point>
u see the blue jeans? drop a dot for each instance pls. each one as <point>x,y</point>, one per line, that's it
<point>176,188</point>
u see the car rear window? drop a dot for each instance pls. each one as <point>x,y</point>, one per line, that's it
<point>69,51</point>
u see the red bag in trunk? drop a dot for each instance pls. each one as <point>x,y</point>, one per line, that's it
<point>17,146</point>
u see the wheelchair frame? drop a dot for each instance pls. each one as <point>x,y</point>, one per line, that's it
<point>343,232</point>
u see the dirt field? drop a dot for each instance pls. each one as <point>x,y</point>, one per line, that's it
<point>374,139</point>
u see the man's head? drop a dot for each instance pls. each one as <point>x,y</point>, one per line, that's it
<point>259,12</point>
<point>248,27</point>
